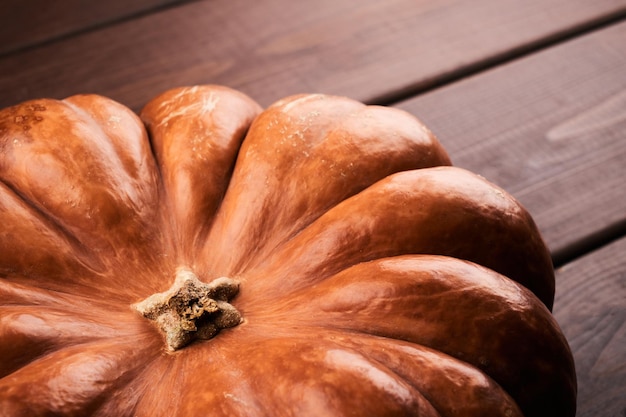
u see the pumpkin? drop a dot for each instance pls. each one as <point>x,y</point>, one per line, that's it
<point>317,258</point>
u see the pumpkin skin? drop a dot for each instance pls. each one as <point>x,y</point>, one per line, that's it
<point>374,278</point>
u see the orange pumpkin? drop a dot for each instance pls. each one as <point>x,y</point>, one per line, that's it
<point>317,258</point>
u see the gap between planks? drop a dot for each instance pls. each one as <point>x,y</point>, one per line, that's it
<point>594,241</point>
<point>92,27</point>
<point>565,35</point>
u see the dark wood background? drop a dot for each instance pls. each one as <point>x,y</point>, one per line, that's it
<point>530,94</point>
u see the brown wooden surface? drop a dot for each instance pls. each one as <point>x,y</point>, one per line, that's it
<point>590,306</point>
<point>30,22</point>
<point>275,48</point>
<point>531,94</point>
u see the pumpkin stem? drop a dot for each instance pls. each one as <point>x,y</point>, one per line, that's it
<point>191,309</point>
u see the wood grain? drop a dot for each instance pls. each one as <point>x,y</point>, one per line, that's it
<point>590,306</point>
<point>275,48</point>
<point>27,23</point>
<point>551,129</point>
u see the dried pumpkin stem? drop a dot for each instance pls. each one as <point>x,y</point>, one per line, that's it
<point>191,309</point>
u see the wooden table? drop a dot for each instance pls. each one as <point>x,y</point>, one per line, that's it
<point>531,94</point>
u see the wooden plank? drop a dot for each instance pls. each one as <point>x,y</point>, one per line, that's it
<point>590,306</point>
<point>28,22</point>
<point>551,129</point>
<point>275,48</point>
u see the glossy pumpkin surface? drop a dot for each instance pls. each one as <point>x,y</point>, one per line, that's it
<point>370,276</point>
